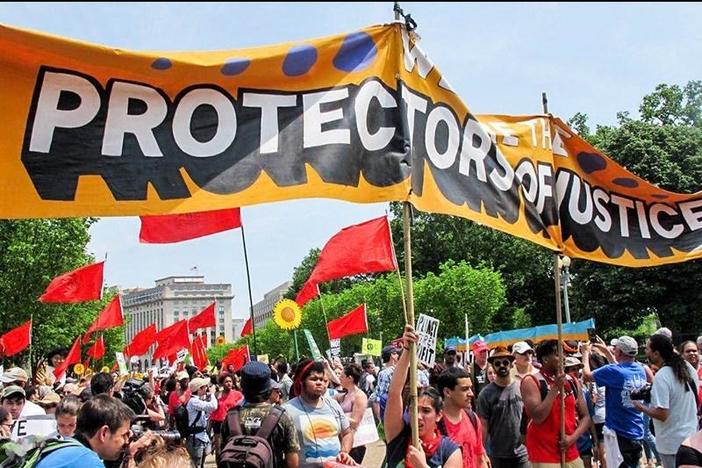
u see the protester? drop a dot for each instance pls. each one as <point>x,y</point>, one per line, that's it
<point>227,399</point>
<point>436,450</point>
<point>284,379</point>
<point>13,399</point>
<point>673,398</point>
<point>200,405</point>
<point>102,383</point>
<point>354,403</point>
<point>256,385</point>
<point>523,354</point>
<point>623,421</point>
<point>323,430</point>
<point>6,422</point>
<point>67,416</point>
<point>500,408</point>
<point>181,394</point>
<point>690,452</point>
<point>540,393</point>
<point>49,402</point>
<point>459,422</point>
<point>16,376</point>
<point>389,355</point>
<point>587,442</point>
<point>276,394</point>
<point>154,409</point>
<point>479,366</point>
<point>368,377</point>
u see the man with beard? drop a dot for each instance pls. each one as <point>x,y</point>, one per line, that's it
<point>324,431</point>
<point>500,408</point>
<point>459,423</point>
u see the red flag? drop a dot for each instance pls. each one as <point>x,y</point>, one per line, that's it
<point>353,323</point>
<point>237,357</point>
<point>246,331</point>
<point>164,229</point>
<point>361,248</point>
<point>141,342</point>
<point>97,350</point>
<point>73,357</point>
<point>83,284</point>
<point>198,351</point>
<point>110,317</point>
<point>204,319</point>
<point>172,339</point>
<point>16,340</point>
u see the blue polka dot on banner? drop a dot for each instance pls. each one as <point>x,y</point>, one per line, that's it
<point>234,66</point>
<point>626,182</point>
<point>591,162</point>
<point>162,63</point>
<point>357,53</point>
<point>299,60</point>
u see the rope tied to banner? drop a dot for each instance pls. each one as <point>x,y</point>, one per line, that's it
<point>410,23</point>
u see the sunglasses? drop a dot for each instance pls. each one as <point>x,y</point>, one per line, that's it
<point>501,362</point>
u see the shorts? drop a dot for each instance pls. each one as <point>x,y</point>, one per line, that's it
<point>577,463</point>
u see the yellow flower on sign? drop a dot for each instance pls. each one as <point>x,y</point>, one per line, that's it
<point>220,340</point>
<point>287,314</point>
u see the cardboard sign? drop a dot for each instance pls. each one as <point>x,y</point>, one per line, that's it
<point>314,349</point>
<point>41,425</point>
<point>371,347</point>
<point>367,431</point>
<point>122,363</point>
<point>427,329</point>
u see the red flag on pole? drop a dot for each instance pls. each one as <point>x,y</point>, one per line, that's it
<point>141,342</point>
<point>73,357</point>
<point>110,317</point>
<point>206,318</point>
<point>97,350</point>
<point>83,284</point>
<point>246,331</point>
<point>353,323</point>
<point>236,357</point>
<point>172,339</point>
<point>198,351</point>
<point>361,248</point>
<point>16,340</point>
<point>165,229</point>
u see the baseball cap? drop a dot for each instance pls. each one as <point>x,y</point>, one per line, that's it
<point>521,347</point>
<point>665,331</point>
<point>12,390</point>
<point>256,378</point>
<point>387,352</point>
<point>14,374</point>
<point>450,349</point>
<point>49,399</point>
<point>182,375</point>
<point>627,345</point>
<point>197,383</point>
<point>479,346</point>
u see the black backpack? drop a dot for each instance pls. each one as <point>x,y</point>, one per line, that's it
<point>182,422</point>
<point>242,451</point>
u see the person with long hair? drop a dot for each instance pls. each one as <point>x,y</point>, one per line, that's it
<point>354,403</point>
<point>673,407</point>
<point>435,450</point>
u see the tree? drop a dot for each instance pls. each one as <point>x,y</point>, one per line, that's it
<point>33,253</point>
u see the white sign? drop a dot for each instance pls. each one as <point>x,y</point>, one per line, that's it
<point>335,346</point>
<point>427,330</point>
<point>40,425</point>
<point>367,432</point>
<point>122,364</point>
<point>180,355</point>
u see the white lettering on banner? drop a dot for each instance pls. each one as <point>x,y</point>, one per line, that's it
<point>39,425</point>
<point>427,330</point>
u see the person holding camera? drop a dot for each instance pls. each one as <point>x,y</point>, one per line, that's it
<point>200,405</point>
<point>624,430</point>
<point>673,398</point>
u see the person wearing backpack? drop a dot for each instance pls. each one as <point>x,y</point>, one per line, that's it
<point>200,405</point>
<point>460,423</point>
<point>541,393</point>
<point>258,434</point>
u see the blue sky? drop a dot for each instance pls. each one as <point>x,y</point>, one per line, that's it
<point>598,59</point>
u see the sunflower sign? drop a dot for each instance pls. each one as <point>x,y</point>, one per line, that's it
<point>287,314</point>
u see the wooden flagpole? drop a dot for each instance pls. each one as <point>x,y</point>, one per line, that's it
<point>248,281</point>
<point>410,320</point>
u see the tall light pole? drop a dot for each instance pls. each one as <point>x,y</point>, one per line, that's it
<point>564,263</point>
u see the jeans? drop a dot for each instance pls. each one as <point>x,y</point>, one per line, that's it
<point>631,451</point>
<point>198,450</point>
<point>649,442</point>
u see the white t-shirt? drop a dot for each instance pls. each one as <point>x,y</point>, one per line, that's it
<point>669,393</point>
<point>31,409</point>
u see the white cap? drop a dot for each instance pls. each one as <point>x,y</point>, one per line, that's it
<point>665,331</point>
<point>627,345</point>
<point>521,347</point>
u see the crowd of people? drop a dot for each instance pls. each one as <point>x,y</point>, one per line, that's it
<point>500,408</point>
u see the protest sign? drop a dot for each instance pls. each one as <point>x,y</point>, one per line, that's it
<point>427,329</point>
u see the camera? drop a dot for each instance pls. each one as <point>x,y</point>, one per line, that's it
<point>134,392</point>
<point>643,393</point>
<point>169,437</point>
<point>592,334</point>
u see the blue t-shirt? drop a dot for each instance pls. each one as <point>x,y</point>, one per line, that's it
<point>71,457</point>
<point>620,380</point>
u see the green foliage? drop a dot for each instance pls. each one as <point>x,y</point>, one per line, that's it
<point>673,105</point>
<point>33,252</point>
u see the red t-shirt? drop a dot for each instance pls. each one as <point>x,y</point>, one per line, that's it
<point>225,403</point>
<point>174,400</point>
<point>468,437</point>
